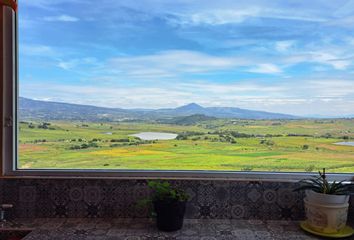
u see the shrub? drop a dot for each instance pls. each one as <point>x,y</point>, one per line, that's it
<point>267,142</point>
<point>75,147</point>
<point>44,125</point>
<point>305,147</point>
<point>247,168</point>
<point>310,168</point>
<point>120,140</point>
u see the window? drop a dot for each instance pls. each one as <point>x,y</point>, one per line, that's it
<point>183,87</point>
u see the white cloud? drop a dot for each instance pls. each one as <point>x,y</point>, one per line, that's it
<point>166,78</point>
<point>45,4</point>
<point>67,65</point>
<point>175,62</point>
<point>332,59</point>
<point>219,16</point>
<point>236,12</point>
<point>201,12</point>
<point>331,88</point>
<point>61,18</point>
<point>344,22</point>
<point>339,60</point>
<point>299,97</point>
<point>36,50</point>
<point>234,89</point>
<point>266,68</point>
<point>77,62</point>
<point>350,40</point>
<point>171,63</point>
<point>283,46</point>
<point>285,98</point>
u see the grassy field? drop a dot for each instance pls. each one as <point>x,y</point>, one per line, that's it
<point>247,145</point>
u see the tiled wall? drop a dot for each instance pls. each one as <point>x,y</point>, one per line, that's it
<point>118,198</point>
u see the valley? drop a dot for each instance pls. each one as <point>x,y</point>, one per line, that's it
<point>299,145</point>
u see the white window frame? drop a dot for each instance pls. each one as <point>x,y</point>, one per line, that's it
<point>9,131</point>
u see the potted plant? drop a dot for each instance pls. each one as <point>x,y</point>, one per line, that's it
<point>326,203</point>
<point>168,204</point>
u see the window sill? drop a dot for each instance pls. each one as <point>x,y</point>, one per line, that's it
<point>180,175</point>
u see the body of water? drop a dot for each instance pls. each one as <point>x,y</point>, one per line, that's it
<point>155,136</point>
<point>345,143</point>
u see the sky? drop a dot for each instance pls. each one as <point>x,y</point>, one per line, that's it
<point>294,57</point>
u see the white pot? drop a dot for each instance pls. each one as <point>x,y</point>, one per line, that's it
<point>326,218</point>
<point>325,199</point>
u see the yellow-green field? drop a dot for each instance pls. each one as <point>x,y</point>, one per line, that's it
<point>296,145</point>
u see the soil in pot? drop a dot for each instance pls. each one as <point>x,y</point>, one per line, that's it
<point>169,215</point>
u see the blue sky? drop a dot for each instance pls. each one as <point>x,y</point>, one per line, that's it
<point>293,57</point>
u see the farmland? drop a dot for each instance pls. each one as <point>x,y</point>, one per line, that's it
<point>215,144</point>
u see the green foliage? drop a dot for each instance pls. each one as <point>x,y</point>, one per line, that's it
<point>188,120</point>
<point>185,135</point>
<point>327,135</point>
<point>310,168</point>
<point>305,147</point>
<point>120,140</point>
<point>210,153</point>
<point>84,146</point>
<point>45,125</point>
<point>320,184</point>
<point>163,191</point>
<point>247,168</point>
<point>267,142</point>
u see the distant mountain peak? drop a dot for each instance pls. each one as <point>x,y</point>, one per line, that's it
<point>36,109</point>
<point>191,106</point>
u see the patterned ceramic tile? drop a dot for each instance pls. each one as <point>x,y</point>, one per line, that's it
<point>118,199</point>
<point>144,229</point>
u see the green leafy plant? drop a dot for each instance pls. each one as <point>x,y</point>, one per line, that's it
<point>163,191</point>
<point>320,184</point>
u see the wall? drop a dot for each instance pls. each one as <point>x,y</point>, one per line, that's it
<point>118,198</point>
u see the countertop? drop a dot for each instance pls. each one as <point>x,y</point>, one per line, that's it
<point>144,229</point>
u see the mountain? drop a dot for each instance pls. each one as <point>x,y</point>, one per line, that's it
<point>34,109</point>
<point>45,110</point>
<point>192,108</point>
<point>187,120</point>
<point>222,112</point>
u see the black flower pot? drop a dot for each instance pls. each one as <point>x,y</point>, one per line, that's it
<point>169,215</point>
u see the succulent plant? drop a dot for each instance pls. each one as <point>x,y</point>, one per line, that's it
<point>320,184</point>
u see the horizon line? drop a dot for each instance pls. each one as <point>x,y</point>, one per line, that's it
<point>191,103</point>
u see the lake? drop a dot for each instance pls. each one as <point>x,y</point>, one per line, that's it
<point>155,136</point>
<point>345,143</point>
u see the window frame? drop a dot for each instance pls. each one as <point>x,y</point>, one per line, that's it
<point>9,131</point>
<point>8,88</point>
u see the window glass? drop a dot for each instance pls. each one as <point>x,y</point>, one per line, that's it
<point>186,85</point>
